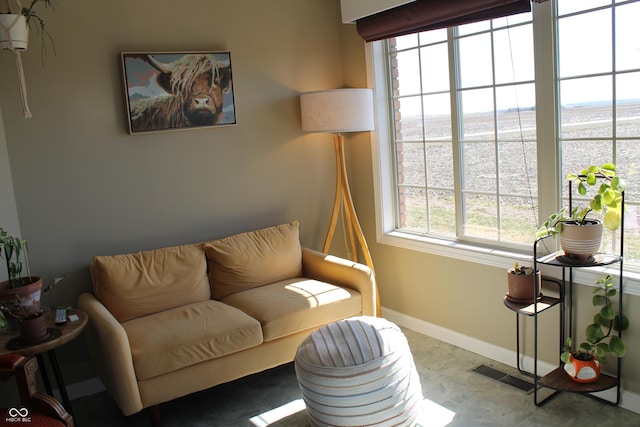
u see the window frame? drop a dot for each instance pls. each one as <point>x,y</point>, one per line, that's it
<point>549,164</point>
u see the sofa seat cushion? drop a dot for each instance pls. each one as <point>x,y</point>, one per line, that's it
<point>184,336</point>
<point>295,305</point>
<point>248,260</point>
<point>138,284</point>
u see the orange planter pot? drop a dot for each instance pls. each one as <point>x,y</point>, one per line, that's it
<point>582,371</point>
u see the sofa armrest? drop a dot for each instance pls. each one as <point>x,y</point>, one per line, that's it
<point>111,354</point>
<point>343,272</point>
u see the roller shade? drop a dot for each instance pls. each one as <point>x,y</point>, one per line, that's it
<point>424,15</point>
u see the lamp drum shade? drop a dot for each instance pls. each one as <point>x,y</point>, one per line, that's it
<point>338,110</point>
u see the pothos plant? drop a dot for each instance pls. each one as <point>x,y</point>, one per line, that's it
<point>601,335</point>
<point>607,199</point>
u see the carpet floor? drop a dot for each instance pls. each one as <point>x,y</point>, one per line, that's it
<point>454,395</point>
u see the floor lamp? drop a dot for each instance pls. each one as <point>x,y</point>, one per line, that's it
<point>339,111</point>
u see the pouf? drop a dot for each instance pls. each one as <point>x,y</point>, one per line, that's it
<point>359,372</point>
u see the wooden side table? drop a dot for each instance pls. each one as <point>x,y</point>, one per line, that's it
<point>59,335</point>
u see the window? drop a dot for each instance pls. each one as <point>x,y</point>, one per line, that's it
<point>469,91</point>
<point>599,100</point>
<point>484,123</point>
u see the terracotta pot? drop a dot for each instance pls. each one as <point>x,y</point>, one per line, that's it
<point>523,288</point>
<point>28,295</point>
<point>14,32</point>
<point>582,371</point>
<point>33,328</point>
<point>581,241</point>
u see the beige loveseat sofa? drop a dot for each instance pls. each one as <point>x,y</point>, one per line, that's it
<point>173,321</point>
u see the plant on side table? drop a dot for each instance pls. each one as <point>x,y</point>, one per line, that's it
<point>20,295</point>
<point>583,364</point>
<point>580,237</point>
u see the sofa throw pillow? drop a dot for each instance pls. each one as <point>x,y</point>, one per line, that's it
<point>135,285</point>
<point>248,260</point>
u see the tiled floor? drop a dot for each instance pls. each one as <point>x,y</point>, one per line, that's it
<point>454,395</point>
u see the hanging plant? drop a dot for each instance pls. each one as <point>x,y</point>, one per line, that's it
<point>14,36</point>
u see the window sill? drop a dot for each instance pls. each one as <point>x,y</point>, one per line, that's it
<point>501,258</point>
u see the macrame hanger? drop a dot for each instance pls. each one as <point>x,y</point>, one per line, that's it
<point>22,84</point>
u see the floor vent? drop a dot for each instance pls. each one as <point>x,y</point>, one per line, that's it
<point>519,383</point>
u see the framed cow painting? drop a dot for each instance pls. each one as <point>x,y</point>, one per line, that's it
<point>178,90</point>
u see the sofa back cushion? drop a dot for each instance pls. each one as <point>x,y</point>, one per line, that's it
<point>143,283</point>
<point>248,260</point>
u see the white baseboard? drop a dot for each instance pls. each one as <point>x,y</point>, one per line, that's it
<point>628,400</point>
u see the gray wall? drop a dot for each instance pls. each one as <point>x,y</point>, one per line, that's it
<point>8,211</point>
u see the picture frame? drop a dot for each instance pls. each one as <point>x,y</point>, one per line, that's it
<point>177,90</point>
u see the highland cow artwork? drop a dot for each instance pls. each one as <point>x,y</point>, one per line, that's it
<point>169,91</point>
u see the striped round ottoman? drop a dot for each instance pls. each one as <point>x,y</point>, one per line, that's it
<point>359,372</point>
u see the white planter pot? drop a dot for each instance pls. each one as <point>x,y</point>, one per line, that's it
<point>581,241</point>
<point>14,32</point>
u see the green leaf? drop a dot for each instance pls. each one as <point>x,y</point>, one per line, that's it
<point>609,196</point>
<point>591,169</point>
<point>621,184</point>
<point>591,179</point>
<point>565,357</point>
<point>609,167</point>
<point>611,219</point>
<point>594,333</point>
<point>615,181</point>
<point>620,324</point>
<point>582,190</point>
<point>596,203</point>
<point>601,349</point>
<point>617,347</point>
<point>598,300</point>
<point>607,312</point>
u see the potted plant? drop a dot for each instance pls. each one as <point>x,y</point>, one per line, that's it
<point>20,295</point>
<point>14,36</point>
<point>522,284</point>
<point>583,364</point>
<point>15,25</point>
<point>580,237</point>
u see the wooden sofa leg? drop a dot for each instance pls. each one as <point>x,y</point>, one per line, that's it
<point>154,416</point>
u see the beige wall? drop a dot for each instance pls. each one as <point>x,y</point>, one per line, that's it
<point>83,186</point>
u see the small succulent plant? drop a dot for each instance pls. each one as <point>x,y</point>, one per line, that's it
<point>521,270</point>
